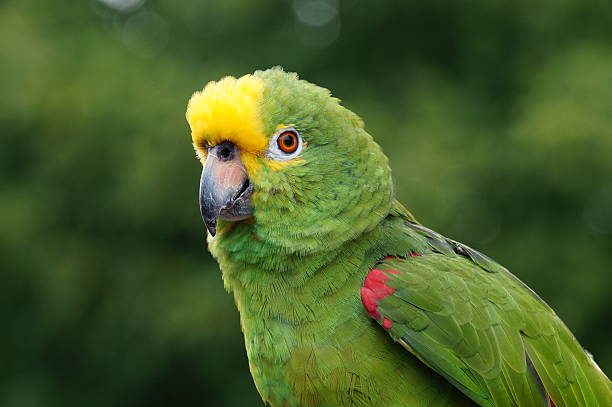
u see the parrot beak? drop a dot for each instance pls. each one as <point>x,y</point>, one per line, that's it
<point>225,190</point>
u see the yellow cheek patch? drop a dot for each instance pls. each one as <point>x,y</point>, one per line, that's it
<point>279,165</point>
<point>228,110</point>
<point>251,163</point>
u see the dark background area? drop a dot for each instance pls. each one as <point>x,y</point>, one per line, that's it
<point>496,115</point>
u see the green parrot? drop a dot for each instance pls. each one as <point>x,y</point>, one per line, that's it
<point>344,298</point>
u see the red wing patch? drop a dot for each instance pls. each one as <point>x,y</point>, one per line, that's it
<point>375,289</point>
<point>387,324</point>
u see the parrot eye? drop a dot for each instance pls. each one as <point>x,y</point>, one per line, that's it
<point>285,144</point>
<point>288,141</point>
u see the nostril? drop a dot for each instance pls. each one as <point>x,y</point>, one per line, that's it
<point>225,151</point>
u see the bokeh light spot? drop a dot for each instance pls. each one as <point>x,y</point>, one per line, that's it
<point>123,5</point>
<point>315,13</point>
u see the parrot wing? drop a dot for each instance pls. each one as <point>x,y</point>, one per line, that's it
<point>480,327</point>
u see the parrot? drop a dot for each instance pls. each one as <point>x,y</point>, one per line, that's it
<point>344,298</point>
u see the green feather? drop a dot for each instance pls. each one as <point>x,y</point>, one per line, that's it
<point>468,332</point>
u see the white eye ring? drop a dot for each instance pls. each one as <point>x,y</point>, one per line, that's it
<point>274,152</point>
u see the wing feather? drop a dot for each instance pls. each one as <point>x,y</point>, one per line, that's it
<point>486,332</point>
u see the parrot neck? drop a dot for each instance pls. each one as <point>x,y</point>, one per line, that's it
<point>304,301</point>
<point>293,289</point>
<point>294,305</point>
<point>257,266</point>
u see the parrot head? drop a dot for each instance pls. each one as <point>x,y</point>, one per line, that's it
<point>284,159</point>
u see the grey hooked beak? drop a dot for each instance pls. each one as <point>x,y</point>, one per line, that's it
<point>225,190</point>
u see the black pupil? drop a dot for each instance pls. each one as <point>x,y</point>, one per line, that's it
<point>288,140</point>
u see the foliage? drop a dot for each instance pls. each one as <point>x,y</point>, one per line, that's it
<point>497,118</point>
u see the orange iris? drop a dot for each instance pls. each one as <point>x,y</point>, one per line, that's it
<point>288,142</point>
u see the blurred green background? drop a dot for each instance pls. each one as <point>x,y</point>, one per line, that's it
<point>496,115</point>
